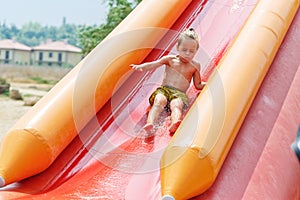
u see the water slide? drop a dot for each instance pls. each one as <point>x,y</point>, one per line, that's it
<point>108,159</point>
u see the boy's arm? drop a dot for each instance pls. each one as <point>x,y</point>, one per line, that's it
<point>151,65</point>
<point>197,79</point>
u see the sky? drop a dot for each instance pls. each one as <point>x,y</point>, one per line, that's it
<point>52,12</point>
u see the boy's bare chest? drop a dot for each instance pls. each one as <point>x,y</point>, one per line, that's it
<point>185,69</point>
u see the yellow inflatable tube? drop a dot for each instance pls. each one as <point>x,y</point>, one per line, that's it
<point>42,134</point>
<point>193,159</point>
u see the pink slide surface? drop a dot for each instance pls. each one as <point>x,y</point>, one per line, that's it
<point>109,159</point>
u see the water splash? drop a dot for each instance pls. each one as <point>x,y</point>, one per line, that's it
<point>236,5</point>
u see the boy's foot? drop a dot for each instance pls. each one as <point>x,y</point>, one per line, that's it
<point>174,126</point>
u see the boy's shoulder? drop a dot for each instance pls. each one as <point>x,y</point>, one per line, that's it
<point>196,64</point>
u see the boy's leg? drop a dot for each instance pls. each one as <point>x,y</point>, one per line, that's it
<point>159,104</point>
<point>176,106</point>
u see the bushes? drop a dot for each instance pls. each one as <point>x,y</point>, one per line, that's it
<point>4,86</point>
<point>2,81</point>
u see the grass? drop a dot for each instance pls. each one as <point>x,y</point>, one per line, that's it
<point>5,94</point>
<point>2,81</point>
<point>39,80</point>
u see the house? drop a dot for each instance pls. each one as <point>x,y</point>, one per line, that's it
<point>12,52</point>
<point>50,53</point>
<point>58,53</point>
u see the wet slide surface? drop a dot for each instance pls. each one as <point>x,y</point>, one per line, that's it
<point>110,159</point>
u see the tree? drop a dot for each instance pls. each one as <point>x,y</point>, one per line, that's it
<point>6,32</point>
<point>91,36</point>
<point>32,33</point>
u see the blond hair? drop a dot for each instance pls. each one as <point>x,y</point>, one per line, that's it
<point>189,33</point>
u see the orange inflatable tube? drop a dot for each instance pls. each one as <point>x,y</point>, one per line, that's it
<point>193,159</point>
<point>42,134</point>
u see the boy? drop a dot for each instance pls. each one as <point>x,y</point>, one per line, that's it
<point>180,70</point>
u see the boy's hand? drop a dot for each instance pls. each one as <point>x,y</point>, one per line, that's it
<point>136,67</point>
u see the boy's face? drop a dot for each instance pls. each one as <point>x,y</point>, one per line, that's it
<point>187,50</point>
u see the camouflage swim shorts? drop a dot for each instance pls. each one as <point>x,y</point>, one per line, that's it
<point>170,93</point>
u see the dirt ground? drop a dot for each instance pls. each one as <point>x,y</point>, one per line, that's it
<point>19,78</point>
<point>10,112</point>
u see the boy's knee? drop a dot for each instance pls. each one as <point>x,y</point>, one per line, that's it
<point>160,100</point>
<point>176,103</point>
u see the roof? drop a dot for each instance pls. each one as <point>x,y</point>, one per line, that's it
<point>57,46</point>
<point>12,44</point>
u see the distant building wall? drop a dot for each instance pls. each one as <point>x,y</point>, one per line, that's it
<point>55,58</point>
<point>58,53</point>
<point>12,56</point>
<point>12,52</point>
<point>21,57</point>
<point>5,56</point>
<point>74,58</point>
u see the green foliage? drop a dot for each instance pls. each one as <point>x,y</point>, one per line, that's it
<point>32,34</point>
<point>5,93</point>
<point>40,80</point>
<point>4,90</point>
<point>2,81</point>
<point>91,36</point>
